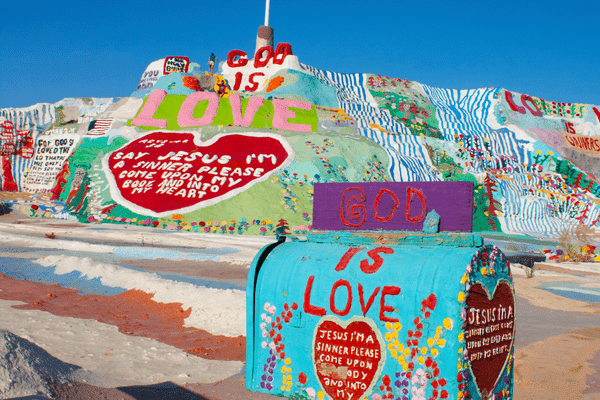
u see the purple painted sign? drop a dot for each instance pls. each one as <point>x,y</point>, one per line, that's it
<point>392,205</point>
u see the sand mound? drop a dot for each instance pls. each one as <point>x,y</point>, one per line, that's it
<point>25,368</point>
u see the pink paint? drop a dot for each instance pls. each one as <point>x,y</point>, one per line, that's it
<point>146,115</point>
<point>185,117</point>
<point>283,114</point>
<point>254,103</point>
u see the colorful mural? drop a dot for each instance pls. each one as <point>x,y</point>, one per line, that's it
<point>343,316</point>
<point>533,163</point>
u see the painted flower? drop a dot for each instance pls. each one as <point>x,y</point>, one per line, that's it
<point>302,378</point>
<point>310,392</point>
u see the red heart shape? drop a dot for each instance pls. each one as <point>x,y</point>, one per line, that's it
<point>348,356</point>
<point>489,333</point>
<point>162,173</point>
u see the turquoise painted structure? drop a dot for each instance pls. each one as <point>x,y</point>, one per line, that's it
<point>378,315</point>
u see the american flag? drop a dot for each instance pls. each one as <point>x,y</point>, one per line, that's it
<point>99,126</point>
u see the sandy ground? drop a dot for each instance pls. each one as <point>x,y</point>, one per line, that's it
<point>557,342</point>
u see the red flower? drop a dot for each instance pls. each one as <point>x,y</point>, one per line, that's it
<point>302,378</point>
<point>386,380</point>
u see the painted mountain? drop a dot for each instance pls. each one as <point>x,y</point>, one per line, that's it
<point>240,151</point>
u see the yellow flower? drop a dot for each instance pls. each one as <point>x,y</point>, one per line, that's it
<point>283,370</point>
<point>223,222</point>
<point>390,347</point>
<point>484,271</point>
<point>269,221</point>
<point>441,342</point>
<point>232,221</point>
<point>388,325</point>
<point>396,343</point>
<point>208,223</point>
<point>430,342</point>
<point>406,352</point>
<point>465,278</point>
<point>421,360</point>
<point>388,337</point>
<point>461,337</point>
<point>434,352</point>
<point>423,350</point>
<point>397,326</point>
<point>461,297</point>
<point>288,361</point>
<point>320,394</point>
<point>448,324</point>
<point>394,354</point>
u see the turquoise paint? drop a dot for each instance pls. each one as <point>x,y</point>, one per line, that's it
<point>420,265</point>
<point>309,88</point>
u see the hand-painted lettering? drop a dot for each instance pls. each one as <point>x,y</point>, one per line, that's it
<point>349,211</point>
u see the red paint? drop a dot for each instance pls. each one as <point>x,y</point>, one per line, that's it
<point>525,98</point>
<point>176,64</point>
<point>570,127</point>
<point>309,308</point>
<point>376,205</point>
<point>343,263</point>
<point>391,291</point>
<point>489,332</point>
<point>511,103</point>
<point>366,308</point>
<point>597,113</point>
<point>281,52</point>
<point>253,82</point>
<point>258,58</point>
<point>410,191</point>
<point>278,56</point>
<point>238,81</point>
<point>527,104</point>
<point>240,62</point>
<point>164,172</point>
<point>336,285</point>
<point>357,338</point>
<point>8,181</point>
<point>377,260</point>
<point>349,210</point>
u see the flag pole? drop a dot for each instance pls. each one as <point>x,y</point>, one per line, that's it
<point>267,13</point>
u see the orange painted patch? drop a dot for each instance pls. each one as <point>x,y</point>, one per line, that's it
<point>133,312</point>
<point>275,83</point>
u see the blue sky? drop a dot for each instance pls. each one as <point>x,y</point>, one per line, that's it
<point>548,49</point>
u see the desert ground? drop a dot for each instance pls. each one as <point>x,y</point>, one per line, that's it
<point>133,343</point>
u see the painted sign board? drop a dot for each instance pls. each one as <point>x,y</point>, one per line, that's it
<point>176,64</point>
<point>352,315</point>
<point>392,205</point>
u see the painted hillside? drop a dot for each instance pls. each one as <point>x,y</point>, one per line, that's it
<point>239,151</point>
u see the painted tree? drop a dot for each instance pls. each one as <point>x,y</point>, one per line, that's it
<point>282,228</point>
<point>493,204</point>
